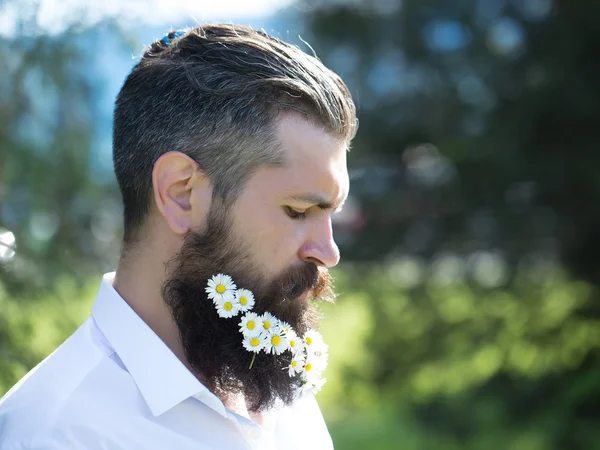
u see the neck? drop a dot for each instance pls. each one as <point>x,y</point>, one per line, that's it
<point>138,280</point>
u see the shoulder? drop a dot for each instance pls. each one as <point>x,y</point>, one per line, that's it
<point>302,422</point>
<point>59,402</point>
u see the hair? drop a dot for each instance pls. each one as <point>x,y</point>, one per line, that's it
<point>214,93</point>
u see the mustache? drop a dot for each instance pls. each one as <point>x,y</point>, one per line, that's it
<point>299,280</point>
<point>281,297</point>
<point>306,277</point>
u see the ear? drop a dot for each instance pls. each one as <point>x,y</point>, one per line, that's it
<point>182,192</point>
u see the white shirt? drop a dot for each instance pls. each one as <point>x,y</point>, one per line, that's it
<point>114,384</point>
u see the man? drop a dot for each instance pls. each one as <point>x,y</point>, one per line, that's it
<point>230,153</point>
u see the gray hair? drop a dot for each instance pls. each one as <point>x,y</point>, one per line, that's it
<point>214,94</point>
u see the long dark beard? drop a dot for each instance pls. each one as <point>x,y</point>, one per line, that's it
<point>213,345</point>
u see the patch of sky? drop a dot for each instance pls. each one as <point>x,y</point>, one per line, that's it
<point>506,36</point>
<point>534,10</point>
<point>446,35</point>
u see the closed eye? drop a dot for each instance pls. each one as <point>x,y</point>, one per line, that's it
<point>297,215</point>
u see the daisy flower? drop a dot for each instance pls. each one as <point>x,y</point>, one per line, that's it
<point>297,364</point>
<point>296,344</point>
<point>277,343</point>
<point>245,299</point>
<point>255,343</point>
<point>220,287</point>
<point>312,370</point>
<point>321,351</point>
<point>227,308</point>
<point>269,321</point>
<point>251,324</point>
<point>285,326</point>
<point>317,363</point>
<point>313,341</point>
<point>313,386</point>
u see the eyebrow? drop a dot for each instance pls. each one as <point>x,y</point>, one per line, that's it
<point>317,200</point>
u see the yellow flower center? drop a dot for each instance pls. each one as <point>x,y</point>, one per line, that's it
<point>243,301</point>
<point>292,343</point>
<point>267,325</point>
<point>308,341</point>
<point>227,306</point>
<point>275,340</point>
<point>308,367</point>
<point>250,325</point>
<point>294,364</point>
<point>254,342</point>
<point>221,288</point>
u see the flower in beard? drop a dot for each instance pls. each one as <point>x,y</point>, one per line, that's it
<point>251,324</point>
<point>227,308</point>
<point>245,299</point>
<point>311,371</point>
<point>286,327</point>
<point>296,344</point>
<point>297,364</point>
<point>315,362</point>
<point>319,351</point>
<point>269,321</point>
<point>220,287</point>
<point>277,342</point>
<point>313,386</point>
<point>255,343</point>
<point>318,363</point>
<point>314,342</point>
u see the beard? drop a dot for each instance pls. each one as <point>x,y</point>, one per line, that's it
<point>213,345</point>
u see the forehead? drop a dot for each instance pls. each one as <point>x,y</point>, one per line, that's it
<point>314,160</point>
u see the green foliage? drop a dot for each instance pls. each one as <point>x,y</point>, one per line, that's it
<point>32,327</point>
<point>457,366</point>
<point>62,216</point>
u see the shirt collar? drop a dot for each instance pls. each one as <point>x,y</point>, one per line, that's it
<point>160,376</point>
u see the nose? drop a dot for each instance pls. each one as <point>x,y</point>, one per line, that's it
<point>319,247</point>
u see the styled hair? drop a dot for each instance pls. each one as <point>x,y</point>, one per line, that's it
<point>214,93</point>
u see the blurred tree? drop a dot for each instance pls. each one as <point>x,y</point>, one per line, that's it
<point>62,216</point>
<point>474,178</point>
<point>478,126</point>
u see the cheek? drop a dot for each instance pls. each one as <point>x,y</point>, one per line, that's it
<point>274,239</point>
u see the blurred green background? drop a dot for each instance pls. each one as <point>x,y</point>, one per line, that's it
<point>469,313</point>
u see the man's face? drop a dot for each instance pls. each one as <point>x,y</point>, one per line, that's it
<point>275,240</point>
<point>284,213</point>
